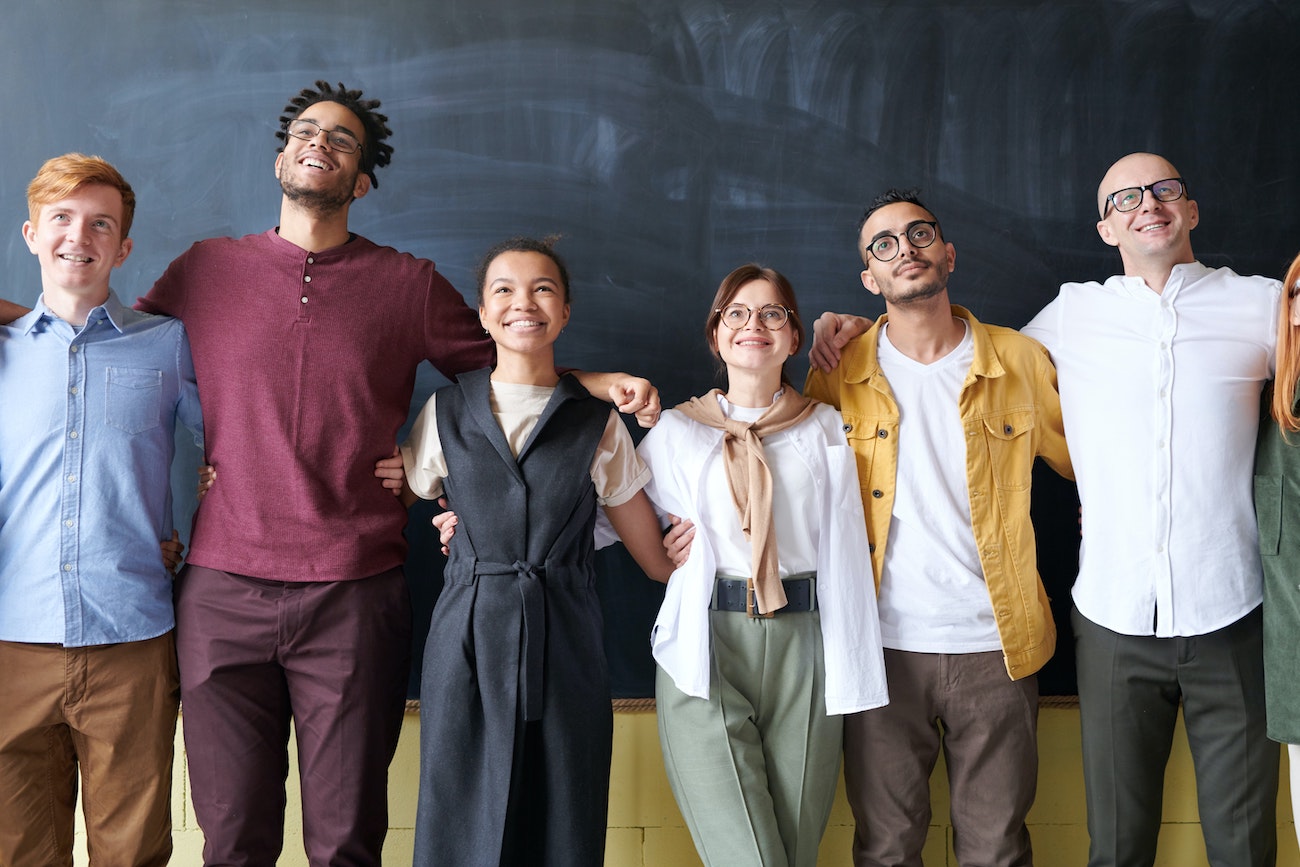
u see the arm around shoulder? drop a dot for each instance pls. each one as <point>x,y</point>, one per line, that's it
<point>10,311</point>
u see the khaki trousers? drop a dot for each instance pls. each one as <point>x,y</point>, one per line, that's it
<point>108,710</point>
<point>987,726</point>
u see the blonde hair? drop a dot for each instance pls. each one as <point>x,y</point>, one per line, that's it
<point>62,176</point>
<point>1288,355</point>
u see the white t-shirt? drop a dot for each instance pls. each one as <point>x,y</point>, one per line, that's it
<point>933,598</point>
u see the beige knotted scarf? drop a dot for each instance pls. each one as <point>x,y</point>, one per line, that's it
<point>751,480</point>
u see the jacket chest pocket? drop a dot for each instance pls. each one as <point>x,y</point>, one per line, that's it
<point>1010,440</point>
<point>865,436</point>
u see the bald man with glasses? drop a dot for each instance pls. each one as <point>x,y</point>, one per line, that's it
<point>1161,370</point>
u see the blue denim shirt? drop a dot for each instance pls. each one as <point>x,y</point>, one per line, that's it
<point>87,434</point>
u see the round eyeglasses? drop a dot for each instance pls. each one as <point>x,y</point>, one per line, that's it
<point>920,235</point>
<point>1130,198</point>
<point>340,140</point>
<point>736,316</point>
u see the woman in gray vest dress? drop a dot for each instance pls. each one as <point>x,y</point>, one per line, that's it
<point>1277,506</point>
<point>515,715</point>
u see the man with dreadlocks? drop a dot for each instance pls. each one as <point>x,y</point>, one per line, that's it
<point>294,607</point>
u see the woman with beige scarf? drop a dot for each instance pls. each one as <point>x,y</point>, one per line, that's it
<point>768,632</point>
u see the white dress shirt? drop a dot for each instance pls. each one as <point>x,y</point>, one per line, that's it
<point>1160,398</point>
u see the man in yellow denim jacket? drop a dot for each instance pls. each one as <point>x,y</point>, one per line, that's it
<point>946,416</point>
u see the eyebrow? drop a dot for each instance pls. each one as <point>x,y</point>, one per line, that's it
<point>338,127</point>
<point>883,232</point>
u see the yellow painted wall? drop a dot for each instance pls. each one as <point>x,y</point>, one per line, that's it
<point>645,829</point>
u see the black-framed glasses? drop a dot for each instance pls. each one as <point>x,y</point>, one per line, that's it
<point>340,140</point>
<point>1130,198</point>
<point>920,234</point>
<point>736,316</point>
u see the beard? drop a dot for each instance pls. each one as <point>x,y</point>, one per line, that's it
<point>918,292</point>
<point>318,201</point>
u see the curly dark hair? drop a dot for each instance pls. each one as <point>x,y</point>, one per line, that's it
<point>544,246</point>
<point>375,152</point>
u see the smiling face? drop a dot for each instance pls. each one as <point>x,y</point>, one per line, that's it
<point>316,176</point>
<point>78,241</point>
<point>524,305</point>
<point>1155,233</point>
<point>915,274</point>
<point>754,347</point>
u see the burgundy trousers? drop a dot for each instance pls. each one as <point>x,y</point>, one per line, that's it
<point>333,658</point>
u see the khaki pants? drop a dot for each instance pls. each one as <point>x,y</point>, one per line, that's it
<point>987,726</point>
<point>109,710</point>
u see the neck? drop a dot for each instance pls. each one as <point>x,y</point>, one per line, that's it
<point>73,307</point>
<point>1155,272</point>
<point>536,368</point>
<point>926,333</point>
<point>752,388</point>
<point>310,230</point>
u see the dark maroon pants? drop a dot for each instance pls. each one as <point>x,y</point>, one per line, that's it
<point>332,657</point>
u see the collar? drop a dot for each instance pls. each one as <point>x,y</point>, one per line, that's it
<point>865,365</point>
<point>111,310</point>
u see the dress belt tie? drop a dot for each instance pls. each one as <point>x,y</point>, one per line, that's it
<point>532,597</point>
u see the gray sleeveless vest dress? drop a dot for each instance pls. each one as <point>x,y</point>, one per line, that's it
<point>515,717</point>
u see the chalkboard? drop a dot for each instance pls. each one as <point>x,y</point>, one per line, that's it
<point>670,140</point>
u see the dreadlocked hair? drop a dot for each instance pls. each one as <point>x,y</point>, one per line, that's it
<point>375,152</point>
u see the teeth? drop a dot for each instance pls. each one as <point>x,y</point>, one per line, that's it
<point>317,164</point>
<point>74,258</point>
<point>524,323</point>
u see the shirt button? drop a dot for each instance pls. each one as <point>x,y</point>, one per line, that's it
<point>877,493</point>
<point>883,434</point>
<point>72,478</point>
<point>72,435</point>
<point>304,299</point>
<point>67,567</point>
<point>73,390</point>
<point>311,260</point>
<point>307,279</point>
<point>846,428</point>
<point>1008,429</point>
<point>67,523</point>
<point>74,349</point>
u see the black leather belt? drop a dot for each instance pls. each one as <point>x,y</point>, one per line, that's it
<point>731,594</point>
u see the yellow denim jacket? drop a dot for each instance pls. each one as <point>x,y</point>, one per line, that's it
<point>1011,413</point>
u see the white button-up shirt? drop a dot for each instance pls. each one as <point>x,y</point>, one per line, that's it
<point>1160,399</point>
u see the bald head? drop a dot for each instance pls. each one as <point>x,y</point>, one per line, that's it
<point>1134,170</point>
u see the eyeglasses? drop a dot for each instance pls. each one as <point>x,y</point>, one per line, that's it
<point>920,235</point>
<point>773,317</point>
<point>340,140</point>
<point>1130,198</point>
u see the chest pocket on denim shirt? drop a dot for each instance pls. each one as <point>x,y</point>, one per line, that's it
<point>133,398</point>
<point>1010,438</point>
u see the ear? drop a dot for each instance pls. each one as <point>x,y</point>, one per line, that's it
<point>362,185</point>
<point>279,159</point>
<point>869,282</point>
<point>566,317</point>
<point>1194,214</point>
<point>29,235</point>
<point>1107,233</point>
<point>127,245</point>
<point>952,257</point>
<point>1295,311</point>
